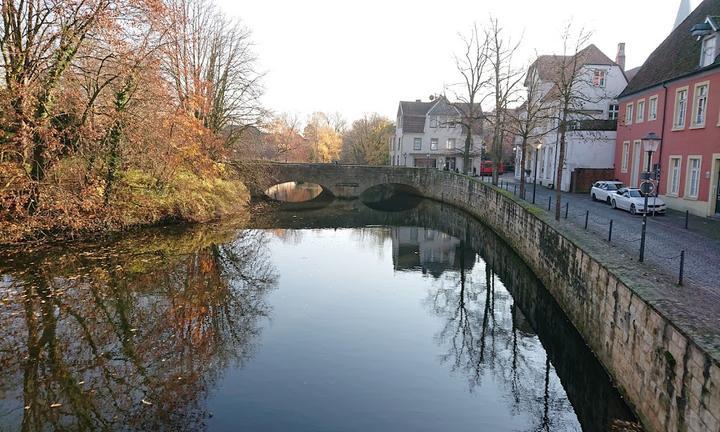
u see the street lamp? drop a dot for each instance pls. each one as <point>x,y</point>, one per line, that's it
<point>651,142</point>
<point>538,145</point>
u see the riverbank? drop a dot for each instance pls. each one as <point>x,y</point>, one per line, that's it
<point>70,212</point>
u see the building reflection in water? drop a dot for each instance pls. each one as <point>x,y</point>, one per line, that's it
<point>429,251</point>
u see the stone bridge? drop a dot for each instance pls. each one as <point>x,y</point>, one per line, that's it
<point>342,181</point>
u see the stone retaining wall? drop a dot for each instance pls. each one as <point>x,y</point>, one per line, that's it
<point>671,381</point>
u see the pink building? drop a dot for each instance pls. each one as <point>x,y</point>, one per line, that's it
<point>676,95</point>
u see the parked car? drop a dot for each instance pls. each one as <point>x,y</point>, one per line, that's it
<point>632,200</point>
<point>486,168</point>
<point>600,191</point>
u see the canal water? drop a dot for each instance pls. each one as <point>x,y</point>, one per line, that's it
<point>321,316</point>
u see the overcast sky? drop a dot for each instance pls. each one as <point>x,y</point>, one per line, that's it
<point>363,56</point>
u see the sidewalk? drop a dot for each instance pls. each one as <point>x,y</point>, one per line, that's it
<point>666,235</point>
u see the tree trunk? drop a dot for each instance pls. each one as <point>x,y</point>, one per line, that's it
<point>559,170</point>
<point>523,150</point>
<point>466,153</point>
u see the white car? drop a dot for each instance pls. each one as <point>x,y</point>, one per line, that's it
<point>632,200</point>
<point>601,190</point>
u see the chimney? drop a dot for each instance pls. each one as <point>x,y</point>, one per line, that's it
<point>620,58</point>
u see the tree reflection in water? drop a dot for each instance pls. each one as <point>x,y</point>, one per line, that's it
<point>484,334</point>
<point>107,340</point>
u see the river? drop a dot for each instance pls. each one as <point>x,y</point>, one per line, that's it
<point>319,316</point>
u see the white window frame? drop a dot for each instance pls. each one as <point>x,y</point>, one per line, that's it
<point>673,186</point>
<point>700,102</point>
<point>433,143</point>
<point>680,113</point>
<point>450,143</point>
<point>629,113</point>
<point>433,122</point>
<point>613,111</point>
<point>415,144</point>
<point>442,122</point>
<point>599,78</point>
<point>625,156</point>
<point>652,108</point>
<point>708,50</point>
<point>689,177</point>
<point>640,111</point>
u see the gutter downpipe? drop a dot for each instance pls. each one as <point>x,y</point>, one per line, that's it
<point>662,137</point>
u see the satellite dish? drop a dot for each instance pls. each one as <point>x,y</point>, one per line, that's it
<point>432,97</point>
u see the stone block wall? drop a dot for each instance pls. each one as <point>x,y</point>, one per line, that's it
<point>670,379</point>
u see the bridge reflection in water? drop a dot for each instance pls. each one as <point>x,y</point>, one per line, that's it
<point>170,330</point>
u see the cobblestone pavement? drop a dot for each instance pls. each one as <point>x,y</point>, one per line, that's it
<point>666,235</point>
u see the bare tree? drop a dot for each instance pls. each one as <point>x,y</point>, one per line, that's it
<point>212,66</point>
<point>504,83</point>
<point>528,121</point>
<point>569,81</point>
<point>471,65</point>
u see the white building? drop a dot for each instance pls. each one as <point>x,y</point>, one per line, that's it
<point>428,135</point>
<point>590,140</point>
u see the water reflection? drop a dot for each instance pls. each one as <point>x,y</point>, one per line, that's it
<point>294,192</point>
<point>103,340</point>
<point>139,334</point>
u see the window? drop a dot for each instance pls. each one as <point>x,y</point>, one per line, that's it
<point>707,54</point>
<point>443,122</point>
<point>652,108</point>
<point>451,123</point>
<point>450,144</point>
<point>417,144</point>
<point>625,156</point>
<point>674,179</point>
<point>433,143</point>
<point>599,78</point>
<point>613,111</point>
<point>680,108</point>
<point>628,113</point>
<point>640,111</point>
<point>693,180</point>
<point>700,105</point>
<point>433,122</point>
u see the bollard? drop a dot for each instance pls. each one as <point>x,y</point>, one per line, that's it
<point>682,267</point>
<point>567,208</point>
<point>587,216</point>
<point>687,216</point>
<point>610,231</point>
<point>549,202</point>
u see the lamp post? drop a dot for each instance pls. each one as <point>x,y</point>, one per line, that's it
<point>538,145</point>
<point>651,142</point>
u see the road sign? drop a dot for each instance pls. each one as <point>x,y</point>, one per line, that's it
<point>647,187</point>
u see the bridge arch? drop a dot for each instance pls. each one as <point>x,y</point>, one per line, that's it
<point>343,181</point>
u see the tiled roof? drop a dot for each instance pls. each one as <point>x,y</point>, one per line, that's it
<point>678,55</point>
<point>548,66</point>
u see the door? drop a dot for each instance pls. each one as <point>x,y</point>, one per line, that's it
<point>634,177</point>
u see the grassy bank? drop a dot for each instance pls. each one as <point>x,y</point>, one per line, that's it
<point>72,209</point>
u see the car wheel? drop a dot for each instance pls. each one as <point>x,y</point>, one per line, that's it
<point>613,204</point>
<point>632,209</point>
<point>593,197</point>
